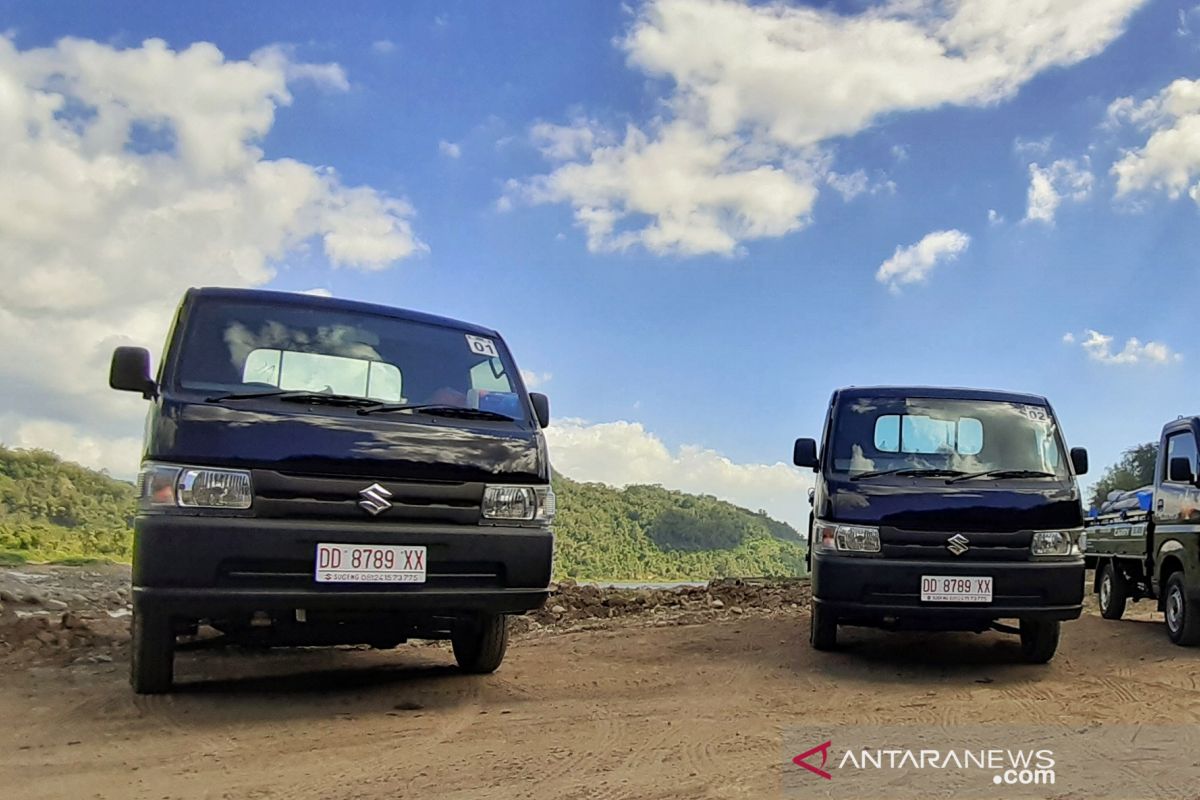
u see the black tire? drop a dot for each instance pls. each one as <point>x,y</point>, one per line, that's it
<point>1113,591</point>
<point>823,625</point>
<point>479,647</point>
<point>1039,639</point>
<point>151,653</point>
<point>1183,621</point>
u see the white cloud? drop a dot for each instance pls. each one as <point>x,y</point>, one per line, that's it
<point>1068,338</point>
<point>1033,148</point>
<point>1186,17</point>
<point>738,150</point>
<point>127,175</point>
<point>534,380</point>
<point>851,184</point>
<point>703,194</point>
<point>995,217</point>
<point>449,149</point>
<point>118,454</point>
<point>1065,179</point>
<point>282,58</point>
<point>912,264</point>
<point>1169,161</point>
<point>622,453</point>
<point>383,46</point>
<point>1099,348</point>
<point>318,292</point>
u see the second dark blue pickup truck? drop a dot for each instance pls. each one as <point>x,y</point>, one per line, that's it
<point>944,509</point>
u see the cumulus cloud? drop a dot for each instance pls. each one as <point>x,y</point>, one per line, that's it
<point>622,453</point>
<point>1064,179</point>
<point>127,175</point>
<point>1169,161</point>
<point>449,149</point>
<point>740,149</point>
<point>914,263</point>
<point>851,184</point>
<point>1099,347</point>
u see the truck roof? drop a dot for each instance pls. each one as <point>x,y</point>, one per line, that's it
<point>336,304</point>
<point>941,392</point>
<point>1181,423</point>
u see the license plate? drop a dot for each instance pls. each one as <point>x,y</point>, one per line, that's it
<point>370,563</point>
<point>958,589</point>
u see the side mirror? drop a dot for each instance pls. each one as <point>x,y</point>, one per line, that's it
<point>804,453</point>
<point>541,408</point>
<point>1079,460</point>
<point>130,371</point>
<point>1180,470</point>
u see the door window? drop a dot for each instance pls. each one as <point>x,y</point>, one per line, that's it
<point>1180,445</point>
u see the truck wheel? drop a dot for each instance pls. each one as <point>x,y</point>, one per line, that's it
<point>1039,639</point>
<point>1183,621</point>
<point>151,653</point>
<point>1114,592</point>
<point>822,632</point>
<point>479,648</point>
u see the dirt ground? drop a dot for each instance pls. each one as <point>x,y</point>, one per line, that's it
<point>637,706</point>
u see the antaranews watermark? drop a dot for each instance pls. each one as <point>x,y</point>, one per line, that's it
<point>992,762</point>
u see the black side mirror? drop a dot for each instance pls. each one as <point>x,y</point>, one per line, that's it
<point>541,408</point>
<point>1079,460</point>
<point>804,454</point>
<point>1180,470</point>
<point>130,371</point>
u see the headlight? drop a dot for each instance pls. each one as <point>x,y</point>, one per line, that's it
<point>169,486</point>
<point>518,503</point>
<point>1053,543</point>
<point>830,537</point>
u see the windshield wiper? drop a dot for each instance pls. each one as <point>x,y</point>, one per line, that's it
<point>435,409</point>
<point>1003,473</point>
<point>908,472</point>
<point>297,396</point>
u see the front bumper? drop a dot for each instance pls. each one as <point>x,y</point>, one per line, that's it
<point>873,589</point>
<point>208,567</point>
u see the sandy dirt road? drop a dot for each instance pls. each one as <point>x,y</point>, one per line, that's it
<point>627,711</point>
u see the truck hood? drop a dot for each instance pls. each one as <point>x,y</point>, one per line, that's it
<point>973,506</point>
<point>336,441</point>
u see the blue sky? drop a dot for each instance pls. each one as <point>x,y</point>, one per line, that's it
<point>732,348</point>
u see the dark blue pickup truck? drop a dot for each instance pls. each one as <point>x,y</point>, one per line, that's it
<point>944,509</point>
<point>318,471</point>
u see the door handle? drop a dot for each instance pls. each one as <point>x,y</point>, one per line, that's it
<point>1160,505</point>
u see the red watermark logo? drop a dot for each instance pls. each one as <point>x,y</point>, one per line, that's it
<point>802,760</point>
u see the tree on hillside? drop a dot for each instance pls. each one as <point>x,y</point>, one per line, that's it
<point>1135,469</point>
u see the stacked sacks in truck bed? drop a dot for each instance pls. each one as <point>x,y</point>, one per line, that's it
<point>1133,500</point>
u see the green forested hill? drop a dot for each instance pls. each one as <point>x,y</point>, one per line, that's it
<point>651,533</point>
<point>51,510</point>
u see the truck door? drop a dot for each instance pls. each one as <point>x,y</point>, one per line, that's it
<point>1178,502</point>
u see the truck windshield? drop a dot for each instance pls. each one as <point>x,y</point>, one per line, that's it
<point>945,437</point>
<point>234,347</point>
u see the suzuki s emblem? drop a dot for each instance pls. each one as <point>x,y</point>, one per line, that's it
<point>958,544</point>
<point>374,499</point>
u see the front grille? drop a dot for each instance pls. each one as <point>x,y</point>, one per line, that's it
<point>281,495</point>
<point>932,545</point>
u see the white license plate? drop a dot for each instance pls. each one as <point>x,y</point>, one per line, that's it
<point>369,563</point>
<point>957,589</point>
